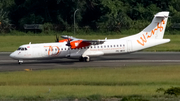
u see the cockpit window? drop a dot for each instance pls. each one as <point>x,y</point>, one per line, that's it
<point>22,49</point>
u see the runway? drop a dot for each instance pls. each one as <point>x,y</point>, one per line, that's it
<point>137,59</point>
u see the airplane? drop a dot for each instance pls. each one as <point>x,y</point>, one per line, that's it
<point>82,49</point>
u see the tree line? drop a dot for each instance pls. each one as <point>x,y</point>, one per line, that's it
<point>113,15</point>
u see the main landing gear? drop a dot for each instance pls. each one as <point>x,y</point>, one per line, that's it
<point>20,61</point>
<point>84,59</point>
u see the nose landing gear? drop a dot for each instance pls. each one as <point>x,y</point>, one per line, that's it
<point>20,61</point>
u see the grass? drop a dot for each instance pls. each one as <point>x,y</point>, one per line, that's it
<point>67,91</point>
<point>93,76</point>
<point>11,43</point>
<point>89,82</point>
<point>173,45</point>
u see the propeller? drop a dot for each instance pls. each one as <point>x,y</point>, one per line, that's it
<point>57,38</point>
<point>68,42</point>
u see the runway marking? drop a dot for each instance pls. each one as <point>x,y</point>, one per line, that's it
<point>28,70</point>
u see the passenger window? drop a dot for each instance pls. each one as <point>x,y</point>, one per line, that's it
<point>114,45</point>
<point>45,49</point>
<point>104,46</point>
<point>117,45</point>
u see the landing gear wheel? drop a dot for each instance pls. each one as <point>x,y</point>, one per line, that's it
<point>84,59</point>
<point>87,59</point>
<point>81,59</point>
<point>20,61</point>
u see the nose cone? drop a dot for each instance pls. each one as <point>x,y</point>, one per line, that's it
<point>12,55</point>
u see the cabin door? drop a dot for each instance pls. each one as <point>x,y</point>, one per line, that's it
<point>129,46</point>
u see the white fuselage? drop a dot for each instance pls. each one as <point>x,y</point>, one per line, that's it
<point>60,50</point>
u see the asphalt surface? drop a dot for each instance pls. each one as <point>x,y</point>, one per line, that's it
<point>125,60</point>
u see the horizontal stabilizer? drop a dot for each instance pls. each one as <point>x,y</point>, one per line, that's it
<point>162,15</point>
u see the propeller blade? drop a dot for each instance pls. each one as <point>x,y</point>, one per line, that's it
<point>57,38</point>
<point>68,42</point>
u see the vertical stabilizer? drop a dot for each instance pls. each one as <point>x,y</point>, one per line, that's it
<point>154,31</point>
<point>157,27</point>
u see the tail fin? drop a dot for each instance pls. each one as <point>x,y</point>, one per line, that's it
<point>153,34</point>
<point>154,31</point>
<point>157,27</point>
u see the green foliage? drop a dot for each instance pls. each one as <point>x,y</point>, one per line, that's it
<point>4,21</point>
<point>95,97</point>
<point>115,17</point>
<point>33,98</point>
<point>160,90</point>
<point>97,15</point>
<point>93,15</point>
<point>134,98</point>
<point>173,91</point>
<point>170,91</point>
<point>47,28</point>
<point>5,6</point>
<point>31,19</point>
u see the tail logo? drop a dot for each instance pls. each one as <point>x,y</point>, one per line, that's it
<point>147,36</point>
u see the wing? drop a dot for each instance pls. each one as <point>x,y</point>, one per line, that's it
<point>79,43</point>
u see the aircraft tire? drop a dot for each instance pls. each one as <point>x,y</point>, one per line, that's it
<point>81,59</point>
<point>84,59</point>
<point>20,61</point>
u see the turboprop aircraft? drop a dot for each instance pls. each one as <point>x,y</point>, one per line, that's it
<point>71,47</point>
